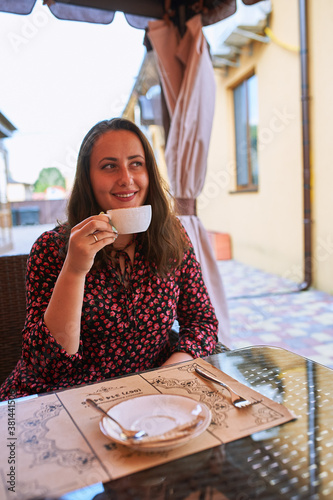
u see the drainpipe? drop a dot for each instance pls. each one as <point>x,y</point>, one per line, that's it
<point>303,22</point>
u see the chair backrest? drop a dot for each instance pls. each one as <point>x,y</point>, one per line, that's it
<point>12,311</point>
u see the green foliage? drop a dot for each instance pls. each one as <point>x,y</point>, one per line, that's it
<point>49,177</point>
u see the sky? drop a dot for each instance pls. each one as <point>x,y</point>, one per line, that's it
<point>59,78</point>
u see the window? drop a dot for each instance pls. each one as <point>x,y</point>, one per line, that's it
<point>246,124</point>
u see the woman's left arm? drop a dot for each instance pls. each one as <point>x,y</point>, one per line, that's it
<point>198,325</point>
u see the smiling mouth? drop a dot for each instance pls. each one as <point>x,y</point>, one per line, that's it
<point>128,195</point>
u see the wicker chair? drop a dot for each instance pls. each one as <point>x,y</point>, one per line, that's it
<point>12,311</point>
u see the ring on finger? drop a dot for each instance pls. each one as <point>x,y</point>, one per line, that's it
<point>95,237</point>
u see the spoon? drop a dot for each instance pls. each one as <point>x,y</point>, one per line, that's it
<point>125,433</point>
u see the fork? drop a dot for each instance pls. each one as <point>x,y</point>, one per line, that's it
<point>237,400</point>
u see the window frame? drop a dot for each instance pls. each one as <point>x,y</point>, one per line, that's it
<point>251,169</point>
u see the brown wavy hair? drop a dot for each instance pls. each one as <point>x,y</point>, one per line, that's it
<point>164,243</point>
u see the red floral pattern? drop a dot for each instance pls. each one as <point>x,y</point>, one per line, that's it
<point>123,330</point>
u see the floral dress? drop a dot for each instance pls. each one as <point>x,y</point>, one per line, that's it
<point>123,329</point>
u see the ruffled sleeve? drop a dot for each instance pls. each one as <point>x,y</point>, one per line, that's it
<point>198,325</point>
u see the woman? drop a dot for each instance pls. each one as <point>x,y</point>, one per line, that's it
<point>99,304</point>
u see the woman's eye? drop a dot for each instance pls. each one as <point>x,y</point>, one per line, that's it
<point>108,166</point>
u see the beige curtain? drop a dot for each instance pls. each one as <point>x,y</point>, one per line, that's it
<point>187,78</point>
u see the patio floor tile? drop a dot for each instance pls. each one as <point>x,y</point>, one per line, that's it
<point>265,309</point>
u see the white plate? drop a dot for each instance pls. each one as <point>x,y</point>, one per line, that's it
<point>156,414</point>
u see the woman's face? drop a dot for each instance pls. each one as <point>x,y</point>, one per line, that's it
<point>118,171</point>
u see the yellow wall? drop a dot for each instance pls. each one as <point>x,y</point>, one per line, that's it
<point>266,227</point>
<point>321,73</point>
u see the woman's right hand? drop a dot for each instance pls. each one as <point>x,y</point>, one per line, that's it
<point>86,239</point>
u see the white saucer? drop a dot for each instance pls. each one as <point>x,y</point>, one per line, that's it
<point>156,415</point>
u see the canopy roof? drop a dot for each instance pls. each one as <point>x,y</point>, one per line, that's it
<point>137,13</point>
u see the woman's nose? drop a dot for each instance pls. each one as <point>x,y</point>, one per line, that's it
<point>125,176</point>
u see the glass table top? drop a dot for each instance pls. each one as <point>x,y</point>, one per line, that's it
<point>293,461</point>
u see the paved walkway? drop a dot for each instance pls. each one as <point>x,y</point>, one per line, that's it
<point>263,308</point>
<point>267,309</point>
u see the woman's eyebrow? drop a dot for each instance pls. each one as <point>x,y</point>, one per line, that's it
<point>136,156</point>
<point>111,158</point>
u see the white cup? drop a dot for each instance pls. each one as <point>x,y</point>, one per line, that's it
<point>131,220</point>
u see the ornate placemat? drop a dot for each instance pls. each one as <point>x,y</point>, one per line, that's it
<point>52,444</point>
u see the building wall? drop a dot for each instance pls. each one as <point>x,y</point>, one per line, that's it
<point>6,243</point>
<point>266,227</point>
<point>321,75</point>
